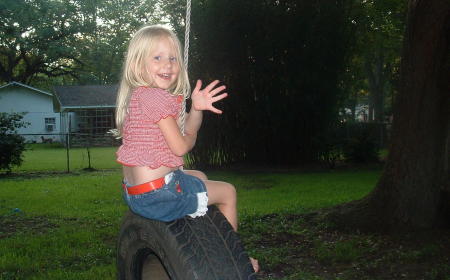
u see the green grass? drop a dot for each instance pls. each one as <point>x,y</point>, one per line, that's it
<point>73,251</point>
<point>64,226</point>
<point>53,157</point>
<point>82,212</point>
<point>264,193</point>
<point>87,195</point>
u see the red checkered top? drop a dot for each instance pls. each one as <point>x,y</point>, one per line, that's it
<point>143,143</point>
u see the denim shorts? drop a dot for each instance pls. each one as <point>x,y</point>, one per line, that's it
<point>182,195</point>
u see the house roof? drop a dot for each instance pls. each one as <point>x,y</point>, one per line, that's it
<point>83,97</point>
<point>26,86</point>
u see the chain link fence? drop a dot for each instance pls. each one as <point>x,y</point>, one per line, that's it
<point>68,152</point>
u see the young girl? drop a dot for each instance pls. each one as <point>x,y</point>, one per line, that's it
<point>153,86</point>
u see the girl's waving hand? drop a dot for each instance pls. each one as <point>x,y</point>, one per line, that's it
<point>203,99</point>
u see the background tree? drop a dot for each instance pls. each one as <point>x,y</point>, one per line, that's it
<point>11,144</point>
<point>375,55</point>
<point>382,51</point>
<point>281,73</point>
<point>413,191</point>
<point>45,43</point>
<point>102,49</point>
<point>37,38</point>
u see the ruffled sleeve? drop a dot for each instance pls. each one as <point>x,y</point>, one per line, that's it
<point>157,104</point>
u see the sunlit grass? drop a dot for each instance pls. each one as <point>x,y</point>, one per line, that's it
<point>87,195</point>
<point>45,157</point>
<point>263,193</point>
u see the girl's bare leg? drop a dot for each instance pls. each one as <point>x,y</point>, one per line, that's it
<point>197,174</point>
<point>224,196</point>
<point>221,194</point>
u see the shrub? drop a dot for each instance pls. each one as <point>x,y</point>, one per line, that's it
<point>12,144</point>
<point>353,141</point>
<point>361,145</point>
<point>329,145</point>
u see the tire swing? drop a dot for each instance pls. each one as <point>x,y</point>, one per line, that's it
<point>203,248</point>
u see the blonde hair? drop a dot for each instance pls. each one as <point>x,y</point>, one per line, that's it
<point>133,76</point>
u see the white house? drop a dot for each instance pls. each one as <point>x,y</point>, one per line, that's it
<point>44,123</point>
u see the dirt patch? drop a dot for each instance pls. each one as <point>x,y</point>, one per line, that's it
<point>44,174</point>
<point>14,224</point>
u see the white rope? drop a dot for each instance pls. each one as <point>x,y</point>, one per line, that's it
<point>186,33</point>
<point>186,58</point>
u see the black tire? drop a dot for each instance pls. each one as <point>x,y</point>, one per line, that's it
<point>203,248</point>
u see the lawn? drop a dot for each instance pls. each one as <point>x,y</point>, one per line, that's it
<point>54,157</point>
<point>55,225</point>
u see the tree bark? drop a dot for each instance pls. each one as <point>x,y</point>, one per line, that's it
<point>413,191</point>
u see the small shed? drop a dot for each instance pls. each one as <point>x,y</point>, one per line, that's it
<point>87,112</point>
<point>37,106</point>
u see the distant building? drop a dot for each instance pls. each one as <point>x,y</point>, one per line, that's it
<point>362,112</point>
<point>44,123</point>
<point>87,111</point>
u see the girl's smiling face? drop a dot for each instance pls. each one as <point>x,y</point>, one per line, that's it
<point>162,66</point>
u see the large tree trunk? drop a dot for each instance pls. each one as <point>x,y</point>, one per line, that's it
<point>412,192</point>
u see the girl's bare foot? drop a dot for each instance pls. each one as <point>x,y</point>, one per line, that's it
<point>255,264</point>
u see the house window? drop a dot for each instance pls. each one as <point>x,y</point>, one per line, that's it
<point>50,124</point>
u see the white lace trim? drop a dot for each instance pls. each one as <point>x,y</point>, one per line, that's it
<point>202,208</point>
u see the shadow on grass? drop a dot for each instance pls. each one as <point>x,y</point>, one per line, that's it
<point>291,246</point>
<point>42,174</point>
